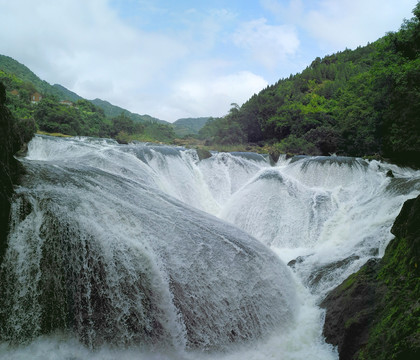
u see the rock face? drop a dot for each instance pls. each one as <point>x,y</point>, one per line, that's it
<point>375,313</point>
<point>10,143</point>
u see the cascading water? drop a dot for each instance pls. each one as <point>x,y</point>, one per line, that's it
<point>115,250</point>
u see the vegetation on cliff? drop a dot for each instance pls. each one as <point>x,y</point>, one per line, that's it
<point>13,135</point>
<point>360,102</point>
<point>375,313</point>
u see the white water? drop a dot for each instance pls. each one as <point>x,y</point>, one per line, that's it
<point>124,225</point>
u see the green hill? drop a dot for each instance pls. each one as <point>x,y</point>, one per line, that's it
<point>11,66</point>
<point>113,110</point>
<point>16,74</point>
<point>80,116</point>
<point>355,102</point>
<point>22,73</point>
<point>65,94</point>
<point>187,126</point>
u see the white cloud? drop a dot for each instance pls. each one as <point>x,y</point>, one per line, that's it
<point>84,46</point>
<point>87,47</point>
<point>207,93</point>
<point>350,23</point>
<point>270,45</point>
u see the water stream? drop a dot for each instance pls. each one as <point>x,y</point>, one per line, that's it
<point>143,251</point>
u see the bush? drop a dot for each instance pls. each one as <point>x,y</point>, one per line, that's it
<point>297,146</point>
<point>25,129</point>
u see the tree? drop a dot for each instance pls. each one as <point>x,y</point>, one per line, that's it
<point>54,117</point>
<point>122,123</point>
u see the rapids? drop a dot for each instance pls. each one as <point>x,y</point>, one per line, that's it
<point>143,251</point>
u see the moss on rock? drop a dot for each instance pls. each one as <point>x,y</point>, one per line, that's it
<point>11,140</point>
<point>203,153</point>
<point>375,313</point>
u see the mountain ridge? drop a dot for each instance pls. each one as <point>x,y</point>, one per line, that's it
<point>182,127</point>
<point>114,110</point>
<point>14,67</point>
<point>189,126</point>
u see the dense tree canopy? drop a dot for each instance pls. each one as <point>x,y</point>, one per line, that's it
<point>356,102</point>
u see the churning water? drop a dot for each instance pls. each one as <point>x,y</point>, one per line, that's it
<point>145,252</point>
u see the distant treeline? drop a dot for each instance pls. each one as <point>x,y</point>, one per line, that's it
<point>80,117</point>
<point>356,103</point>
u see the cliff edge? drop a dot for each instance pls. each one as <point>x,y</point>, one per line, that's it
<point>12,139</point>
<point>375,313</point>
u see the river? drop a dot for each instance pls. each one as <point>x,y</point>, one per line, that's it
<point>143,251</point>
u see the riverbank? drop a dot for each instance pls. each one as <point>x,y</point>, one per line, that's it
<point>375,313</point>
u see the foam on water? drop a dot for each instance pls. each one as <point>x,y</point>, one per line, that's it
<point>132,210</point>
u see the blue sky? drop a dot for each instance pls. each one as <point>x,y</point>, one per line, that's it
<point>184,58</point>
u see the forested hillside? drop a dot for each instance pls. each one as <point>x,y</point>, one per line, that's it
<point>58,110</point>
<point>113,110</point>
<point>12,71</point>
<point>188,126</point>
<point>356,102</point>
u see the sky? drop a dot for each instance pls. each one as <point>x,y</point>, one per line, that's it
<point>174,59</point>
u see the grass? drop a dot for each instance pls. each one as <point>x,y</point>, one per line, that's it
<point>52,134</point>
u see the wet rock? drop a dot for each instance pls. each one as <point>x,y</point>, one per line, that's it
<point>350,309</point>
<point>390,174</point>
<point>298,260</point>
<point>319,274</point>
<point>374,314</point>
<point>203,154</point>
<point>9,167</point>
<point>407,223</point>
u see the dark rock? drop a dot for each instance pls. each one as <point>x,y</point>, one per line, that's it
<point>298,260</point>
<point>375,313</point>
<point>407,222</point>
<point>203,154</point>
<point>350,309</point>
<point>10,168</point>
<point>325,270</point>
<point>274,156</point>
<point>390,174</point>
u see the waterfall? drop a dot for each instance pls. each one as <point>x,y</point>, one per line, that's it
<point>120,250</point>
